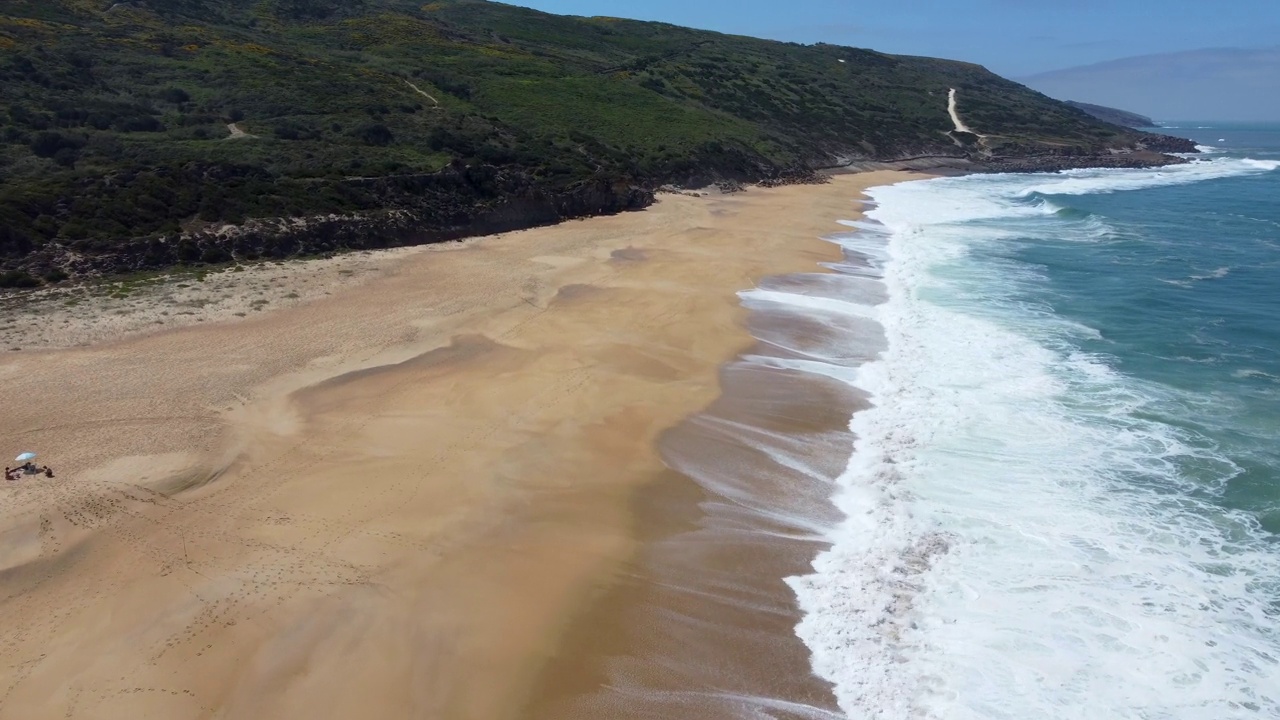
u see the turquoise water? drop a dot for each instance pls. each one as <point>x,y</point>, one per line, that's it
<point>1183,291</point>
<point>1066,500</point>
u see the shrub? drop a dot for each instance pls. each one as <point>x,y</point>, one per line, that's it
<point>376,134</point>
<point>17,279</point>
<point>187,252</point>
<point>174,95</point>
<point>655,84</point>
<point>214,255</point>
<point>293,130</point>
<point>66,157</point>
<point>48,143</point>
<point>140,123</point>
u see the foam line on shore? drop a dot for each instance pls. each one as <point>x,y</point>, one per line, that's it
<point>707,623</point>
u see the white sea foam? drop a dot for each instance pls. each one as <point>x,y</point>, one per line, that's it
<point>1251,373</point>
<point>1021,538</point>
<point>1217,274</point>
<point>1091,181</point>
<point>843,373</point>
<point>839,307</point>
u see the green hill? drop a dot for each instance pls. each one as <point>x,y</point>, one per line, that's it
<point>390,122</point>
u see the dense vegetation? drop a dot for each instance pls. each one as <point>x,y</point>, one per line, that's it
<point>115,117</point>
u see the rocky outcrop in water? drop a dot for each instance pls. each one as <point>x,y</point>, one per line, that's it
<point>1168,143</point>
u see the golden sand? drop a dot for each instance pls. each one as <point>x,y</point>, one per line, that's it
<point>397,500</point>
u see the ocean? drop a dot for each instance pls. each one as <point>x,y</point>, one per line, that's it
<point>1064,498</point>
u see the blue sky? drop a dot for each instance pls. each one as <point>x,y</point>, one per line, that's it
<point>1011,37</point>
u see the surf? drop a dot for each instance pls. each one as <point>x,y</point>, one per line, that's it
<point>1025,532</point>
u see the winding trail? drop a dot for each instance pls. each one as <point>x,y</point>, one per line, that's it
<point>236,132</point>
<point>955,117</point>
<point>422,93</point>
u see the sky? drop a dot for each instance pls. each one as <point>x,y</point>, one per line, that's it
<point>1014,38</point>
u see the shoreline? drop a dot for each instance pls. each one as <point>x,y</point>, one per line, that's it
<point>704,622</point>
<point>358,503</point>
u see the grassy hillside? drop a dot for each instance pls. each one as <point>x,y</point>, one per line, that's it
<point>114,118</point>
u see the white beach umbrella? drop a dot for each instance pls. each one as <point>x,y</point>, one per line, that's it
<point>25,457</point>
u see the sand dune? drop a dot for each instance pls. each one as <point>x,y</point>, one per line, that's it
<point>388,502</point>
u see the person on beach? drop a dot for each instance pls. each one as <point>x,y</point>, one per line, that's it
<point>48,471</point>
<point>8,474</point>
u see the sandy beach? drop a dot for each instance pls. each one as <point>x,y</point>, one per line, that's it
<point>437,486</point>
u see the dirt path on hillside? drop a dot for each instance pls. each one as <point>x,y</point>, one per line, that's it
<point>236,132</point>
<point>955,116</point>
<point>423,93</point>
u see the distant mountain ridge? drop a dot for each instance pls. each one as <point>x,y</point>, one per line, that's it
<point>140,134</point>
<point>1236,84</point>
<point>1114,116</point>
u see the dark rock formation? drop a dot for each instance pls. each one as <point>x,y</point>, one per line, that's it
<point>1168,143</point>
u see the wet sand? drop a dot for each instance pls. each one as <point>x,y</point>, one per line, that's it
<point>439,494</point>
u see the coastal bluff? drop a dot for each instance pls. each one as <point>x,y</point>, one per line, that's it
<point>231,131</point>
